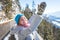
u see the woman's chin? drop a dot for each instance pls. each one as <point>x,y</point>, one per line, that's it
<point>27,25</point>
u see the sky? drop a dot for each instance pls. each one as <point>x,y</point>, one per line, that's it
<point>52,5</point>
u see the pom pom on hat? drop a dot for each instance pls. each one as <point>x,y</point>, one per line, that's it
<point>18,16</point>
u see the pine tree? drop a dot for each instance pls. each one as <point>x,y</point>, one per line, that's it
<point>27,12</point>
<point>7,4</point>
<point>18,3</point>
<point>46,30</point>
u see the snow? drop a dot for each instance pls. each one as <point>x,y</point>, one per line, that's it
<point>7,37</point>
<point>54,18</point>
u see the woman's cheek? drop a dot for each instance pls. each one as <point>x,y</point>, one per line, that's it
<point>21,22</point>
<point>26,22</point>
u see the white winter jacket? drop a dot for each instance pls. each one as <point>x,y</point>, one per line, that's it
<point>23,32</point>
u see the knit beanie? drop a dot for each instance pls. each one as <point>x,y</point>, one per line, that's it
<point>18,16</point>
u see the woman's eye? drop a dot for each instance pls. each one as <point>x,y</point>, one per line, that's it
<point>22,19</point>
<point>26,19</point>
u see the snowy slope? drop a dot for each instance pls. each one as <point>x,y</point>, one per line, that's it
<point>53,18</point>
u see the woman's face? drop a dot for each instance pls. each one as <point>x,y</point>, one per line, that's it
<point>23,21</point>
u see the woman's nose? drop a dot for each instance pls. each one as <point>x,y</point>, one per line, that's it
<point>25,21</point>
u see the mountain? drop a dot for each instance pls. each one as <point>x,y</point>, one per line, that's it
<point>53,18</point>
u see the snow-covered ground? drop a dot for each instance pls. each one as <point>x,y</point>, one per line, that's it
<point>53,18</point>
<point>7,37</point>
<point>56,24</point>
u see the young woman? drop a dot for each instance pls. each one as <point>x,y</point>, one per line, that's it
<point>22,29</point>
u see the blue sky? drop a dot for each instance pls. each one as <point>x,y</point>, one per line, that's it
<point>52,5</point>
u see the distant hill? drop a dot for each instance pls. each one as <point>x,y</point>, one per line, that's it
<point>53,18</point>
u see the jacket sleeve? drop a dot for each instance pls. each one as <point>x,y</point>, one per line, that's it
<point>34,24</point>
<point>14,30</point>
